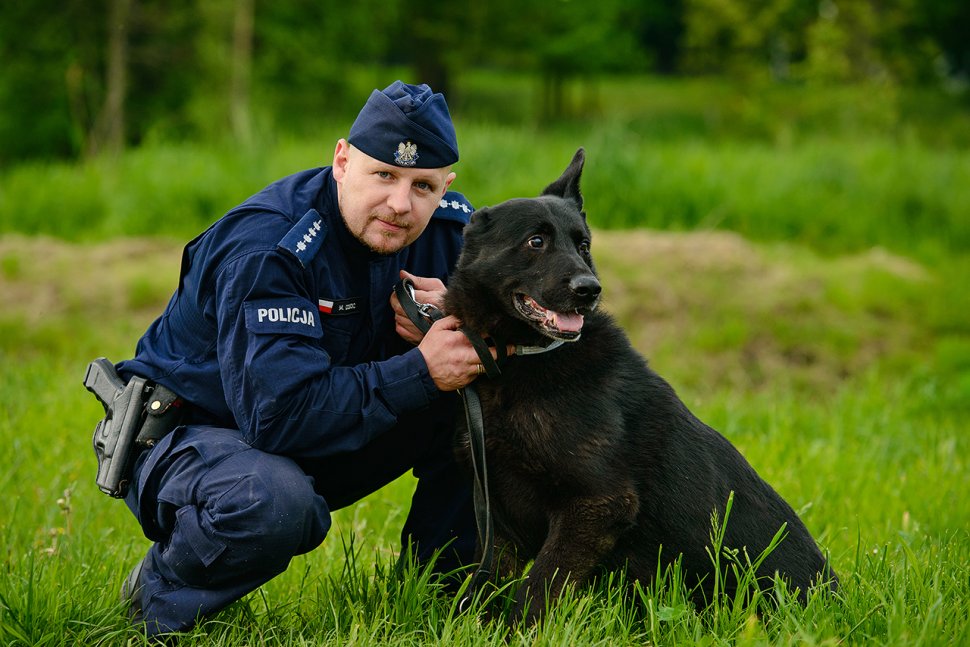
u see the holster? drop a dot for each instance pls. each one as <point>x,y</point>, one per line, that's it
<point>137,415</point>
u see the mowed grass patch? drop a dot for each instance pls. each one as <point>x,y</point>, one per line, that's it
<point>842,378</point>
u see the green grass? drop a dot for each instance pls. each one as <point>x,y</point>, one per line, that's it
<point>795,263</point>
<point>878,476</point>
<point>837,376</point>
<point>832,194</point>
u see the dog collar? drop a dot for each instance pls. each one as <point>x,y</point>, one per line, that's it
<point>490,365</point>
<point>423,315</point>
<point>535,350</point>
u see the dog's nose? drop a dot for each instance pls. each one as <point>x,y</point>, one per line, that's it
<point>586,286</point>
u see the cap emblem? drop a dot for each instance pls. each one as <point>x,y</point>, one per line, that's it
<point>406,155</point>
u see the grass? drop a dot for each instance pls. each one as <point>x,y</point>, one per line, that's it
<point>819,194</point>
<point>796,268</point>
<point>862,430</point>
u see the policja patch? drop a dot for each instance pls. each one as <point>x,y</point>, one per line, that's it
<point>283,316</point>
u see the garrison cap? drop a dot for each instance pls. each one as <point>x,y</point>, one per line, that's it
<point>406,125</point>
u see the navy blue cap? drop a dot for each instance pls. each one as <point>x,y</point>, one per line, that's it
<point>406,125</point>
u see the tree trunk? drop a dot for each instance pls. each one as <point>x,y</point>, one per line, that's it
<point>242,61</point>
<point>553,104</point>
<point>110,128</point>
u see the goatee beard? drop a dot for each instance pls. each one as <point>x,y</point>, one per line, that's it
<point>377,250</point>
<point>383,251</point>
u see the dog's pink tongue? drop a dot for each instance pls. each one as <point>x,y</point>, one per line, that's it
<point>568,322</point>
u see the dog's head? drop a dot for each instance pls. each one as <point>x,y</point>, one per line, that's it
<point>525,271</point>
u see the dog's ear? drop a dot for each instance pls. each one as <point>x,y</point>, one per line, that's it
<point>567,186</point>
<point>479,217</point>
<point>479,222</point>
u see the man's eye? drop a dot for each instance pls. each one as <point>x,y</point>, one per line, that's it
<point>536,242</point>
<point>422,186</point>
<point>384,175</point>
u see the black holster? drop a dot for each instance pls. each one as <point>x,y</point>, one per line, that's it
<point>137,415</point>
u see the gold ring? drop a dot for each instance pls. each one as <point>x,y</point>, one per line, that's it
<point>481,369</point>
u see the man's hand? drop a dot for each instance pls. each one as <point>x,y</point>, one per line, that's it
<point>426,290</point>
<point>451,359</point>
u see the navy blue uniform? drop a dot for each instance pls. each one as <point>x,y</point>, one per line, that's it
<point>302,398</point>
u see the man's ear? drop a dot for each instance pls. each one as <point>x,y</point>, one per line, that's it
<point>341,155</point>
<point>448,181</point>
<point>567,186</point>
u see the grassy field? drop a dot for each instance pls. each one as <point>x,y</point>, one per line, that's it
<point>825,371</point>
<point>805,297</point>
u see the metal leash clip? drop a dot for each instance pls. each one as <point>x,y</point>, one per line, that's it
<point>428,310</point>
<point>407,296</point>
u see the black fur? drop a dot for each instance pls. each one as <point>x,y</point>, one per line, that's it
<point>594,462</point>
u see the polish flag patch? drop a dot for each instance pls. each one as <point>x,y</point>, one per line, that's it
<point>337,307</point>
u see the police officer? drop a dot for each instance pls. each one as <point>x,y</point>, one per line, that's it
<point>305,385</point>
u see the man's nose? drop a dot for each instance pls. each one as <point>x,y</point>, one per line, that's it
<point>399,199</point>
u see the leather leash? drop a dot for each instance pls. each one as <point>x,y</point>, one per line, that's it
<point>423,315</point>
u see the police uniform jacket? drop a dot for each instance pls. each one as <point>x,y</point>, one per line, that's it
<point>281,325</point>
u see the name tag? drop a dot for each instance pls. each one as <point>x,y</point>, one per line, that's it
<point>336,307</point>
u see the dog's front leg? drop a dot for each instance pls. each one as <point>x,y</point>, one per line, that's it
<point>580,535</point>
<point>508,563</point>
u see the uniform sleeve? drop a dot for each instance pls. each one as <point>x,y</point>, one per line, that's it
<point>285,392</point>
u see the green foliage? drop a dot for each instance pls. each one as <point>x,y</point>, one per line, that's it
<point>833,194</point>
<point>187,71</point>
<point>832,41</point>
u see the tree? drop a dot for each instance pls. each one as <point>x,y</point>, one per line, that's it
<point>109,131</point>
<point>51,79</point>
<point>659,25</point>
<point>242,61</point>
<point>562,41</point>
<point>743,38</point>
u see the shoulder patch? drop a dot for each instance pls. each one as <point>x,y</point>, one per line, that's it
<point>305,238</point>
<point>454,206</point>
<point>291,315</point>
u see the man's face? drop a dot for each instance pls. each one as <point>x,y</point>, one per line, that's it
<point>385,207</point>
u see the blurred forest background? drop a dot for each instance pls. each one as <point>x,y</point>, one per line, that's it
<point>86,76</point>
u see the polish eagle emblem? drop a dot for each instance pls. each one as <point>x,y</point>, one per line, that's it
<point>407,154</point>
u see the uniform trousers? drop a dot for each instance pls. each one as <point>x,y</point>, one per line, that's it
<point>226,517</point>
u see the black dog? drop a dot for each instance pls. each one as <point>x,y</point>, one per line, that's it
<point>593,460</point>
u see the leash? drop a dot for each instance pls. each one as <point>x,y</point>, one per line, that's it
<point>423,315</point>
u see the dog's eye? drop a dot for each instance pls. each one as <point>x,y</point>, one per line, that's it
<point>536,242</point>
<point>584,247</point>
